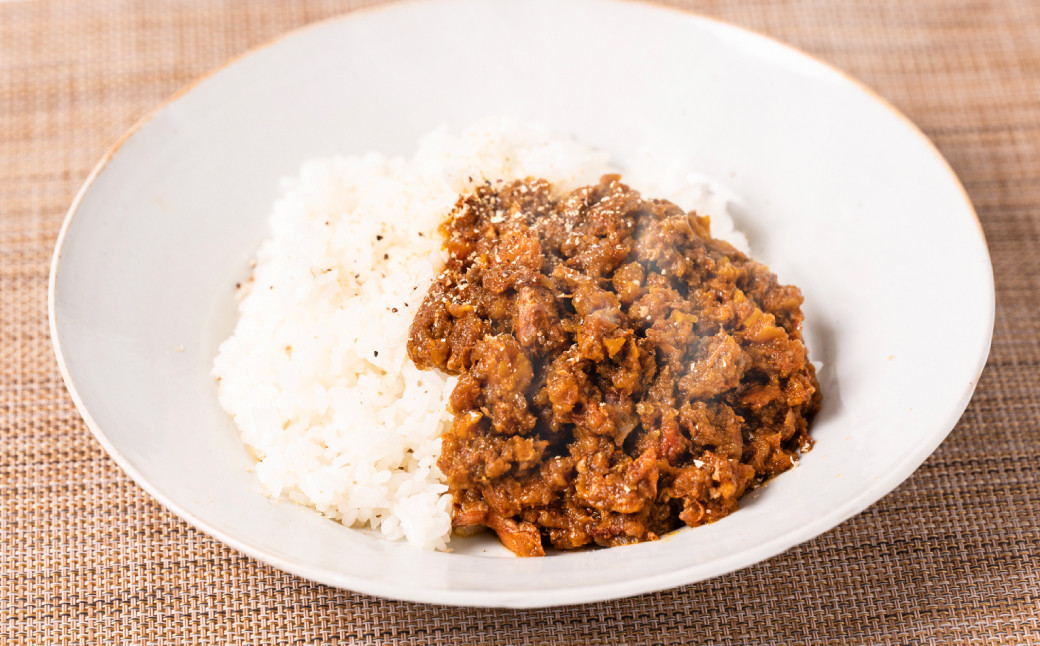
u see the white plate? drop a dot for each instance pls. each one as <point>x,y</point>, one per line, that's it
<point>841,196</point>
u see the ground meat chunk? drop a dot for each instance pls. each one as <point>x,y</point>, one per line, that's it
<point>718,367</point>
<point>621,372</point>
<point>504,373</point>
<point>536,323</point>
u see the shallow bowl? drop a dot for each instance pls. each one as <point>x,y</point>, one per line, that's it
<point>839,193</point>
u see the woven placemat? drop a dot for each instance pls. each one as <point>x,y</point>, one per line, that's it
<point>86,556</point>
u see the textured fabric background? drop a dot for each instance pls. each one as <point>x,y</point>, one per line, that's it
<point>951,557</point>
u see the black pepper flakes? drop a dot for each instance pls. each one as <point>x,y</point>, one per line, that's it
<point>379,237</point>
<point>386,256</point>
<point>375,353</point>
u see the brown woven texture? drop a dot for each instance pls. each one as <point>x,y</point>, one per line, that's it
<point>86,556</point>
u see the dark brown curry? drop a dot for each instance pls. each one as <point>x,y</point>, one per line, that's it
<point>621,372</point>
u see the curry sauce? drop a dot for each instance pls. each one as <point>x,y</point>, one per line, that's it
<point>621,372</point>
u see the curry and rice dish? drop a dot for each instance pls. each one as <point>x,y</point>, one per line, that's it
<point>621,372</point>
<point>500,332</point>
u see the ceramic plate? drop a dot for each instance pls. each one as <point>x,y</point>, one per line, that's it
<point>839,194</point>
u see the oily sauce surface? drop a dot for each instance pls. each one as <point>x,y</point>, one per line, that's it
<point>621,372</point>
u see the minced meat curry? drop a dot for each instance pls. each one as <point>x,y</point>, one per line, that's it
<point>621,372</point>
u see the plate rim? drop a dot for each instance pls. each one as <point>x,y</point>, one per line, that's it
<point>575,593</point>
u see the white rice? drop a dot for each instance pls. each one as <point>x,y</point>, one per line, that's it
<point>316,374</point>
